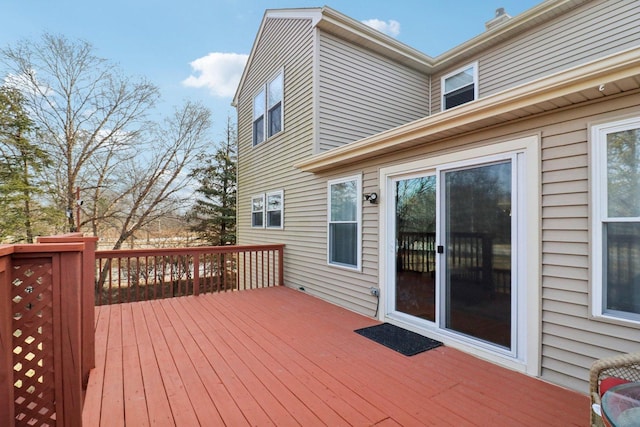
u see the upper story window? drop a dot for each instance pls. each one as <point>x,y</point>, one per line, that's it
<point>268,110</point>
<point>460,87</point>
<point>616,219</point>
<point>345,228</point>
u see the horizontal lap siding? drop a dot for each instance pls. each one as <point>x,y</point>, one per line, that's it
<point>269,166</point>
<point>571,340</point>
<point>591,31</point>
<point>362,93</point>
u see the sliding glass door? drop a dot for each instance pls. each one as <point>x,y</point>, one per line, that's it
<point>453,232</point>
<point>476,244</point>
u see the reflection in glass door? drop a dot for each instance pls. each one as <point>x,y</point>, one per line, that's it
<point>477,246</point>
<point>415,257</point>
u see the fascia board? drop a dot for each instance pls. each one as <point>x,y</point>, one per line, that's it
<point>585,76</point>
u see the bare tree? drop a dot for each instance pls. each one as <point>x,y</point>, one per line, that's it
<point>86,112</point>
<point>157,184</point>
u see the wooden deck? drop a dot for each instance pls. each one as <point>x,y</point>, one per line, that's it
<point>277,356</point>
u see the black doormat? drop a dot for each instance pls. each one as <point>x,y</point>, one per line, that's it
<point>398,339</point>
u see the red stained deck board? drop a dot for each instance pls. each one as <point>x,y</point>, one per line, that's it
<point>281,357</point>
<point>112,389</point>
<point>323,386</point>
<point>176,390</point>
<point>135,407</point>
<point>156,401</point>
<point>296,380</point>
<point>381,389</point>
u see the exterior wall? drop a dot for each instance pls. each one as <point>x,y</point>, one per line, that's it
<point>361,93</point>
<point>571,339</point>
<point>269,166</point>
<point>591,31</point>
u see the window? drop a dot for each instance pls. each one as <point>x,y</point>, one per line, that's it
<point>258,117</point>
<point>460,87</point>
<point>267,110</point>
<point>344,228</point>
<point>275,106</point>
<point>616,216</point>
<point>267,210</point>
<point>257,211</point>
<point>274,209</point>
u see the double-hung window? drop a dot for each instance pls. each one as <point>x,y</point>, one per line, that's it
<point>616,219</point>
<point>344,225</point>
<point>257,211</point>
<point>268,110</point>
<point>274,209</point>
<point>267,210</point>
<point>460,86</point>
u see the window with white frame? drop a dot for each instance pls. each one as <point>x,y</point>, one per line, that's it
<point>268,110</point>
<point>460,86</point>
<point>258,117</point>
<point>616,219</point>
<point>344,222</point>
<point>257,211</point>
<point>275,209</point>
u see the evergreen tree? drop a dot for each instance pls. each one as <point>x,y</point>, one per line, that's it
<point>214,213</point>
<point>20,164</point>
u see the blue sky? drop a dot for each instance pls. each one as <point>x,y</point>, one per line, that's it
<point>194,49</point>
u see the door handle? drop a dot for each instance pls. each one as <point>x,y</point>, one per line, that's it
<point>440,249</point>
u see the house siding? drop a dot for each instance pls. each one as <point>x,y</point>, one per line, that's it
<point>571,339</point>
<point>361,93</point>
<point>347,110</point>
<point>590,31</point>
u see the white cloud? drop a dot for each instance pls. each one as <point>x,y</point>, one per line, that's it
<point>219,72</point>
<point>390,27</point>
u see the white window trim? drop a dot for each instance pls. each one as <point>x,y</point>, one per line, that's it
<point>266,209</point>
<point>599,214</point>
<point>258,196</point>
<point>474,65</point>
<point>265,123</point>
<point>358,179</point>
<point>254,143</point>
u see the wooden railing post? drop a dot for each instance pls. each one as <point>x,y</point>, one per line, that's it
<point>67,327</point>
<point>87,296</point>
<point>7,411</point>
<point>281,266</point>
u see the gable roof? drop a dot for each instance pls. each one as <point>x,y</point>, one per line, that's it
<point>334,22</point>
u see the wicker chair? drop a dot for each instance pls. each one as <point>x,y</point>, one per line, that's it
<point>624,366</point>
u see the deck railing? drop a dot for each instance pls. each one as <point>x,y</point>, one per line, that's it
<point>46,334</point>
<point>47,297</point>
<point>146,274</point>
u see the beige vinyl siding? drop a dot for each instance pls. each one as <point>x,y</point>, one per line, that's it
<point>571,339</point>
<point>362,93</point>
<point>269,167</point>
<point>593,30</point>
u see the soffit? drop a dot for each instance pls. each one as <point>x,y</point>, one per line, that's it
<point>608,76</point>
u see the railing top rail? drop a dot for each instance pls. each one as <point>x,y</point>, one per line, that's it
<point>67,238</point>
<point>115,253</point>
<point>6,250</point>
<point>45,248</point>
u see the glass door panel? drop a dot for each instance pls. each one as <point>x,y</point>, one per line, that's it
<point>415,233</point>
<point>477,247</point>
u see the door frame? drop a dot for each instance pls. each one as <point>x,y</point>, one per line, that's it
<point>526,354</point>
